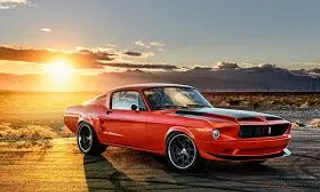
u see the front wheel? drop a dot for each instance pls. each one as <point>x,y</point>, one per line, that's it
<point>87,140</point>
<point>182,153</point>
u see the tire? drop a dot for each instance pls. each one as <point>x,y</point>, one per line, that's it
<point>88,142</point>
<point>182,153</point>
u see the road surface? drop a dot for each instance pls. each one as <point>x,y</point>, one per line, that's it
<point>58,166</point>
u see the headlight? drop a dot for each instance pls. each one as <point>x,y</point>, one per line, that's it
<point>216,134</point>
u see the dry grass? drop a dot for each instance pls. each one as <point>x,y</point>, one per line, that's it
<point>314,123</point>
<point>25,144</point>
<point>265,100</point>
<point>36,116</point>
<point>299,108</point>
<point>29,132</point>
<point>297,124</point>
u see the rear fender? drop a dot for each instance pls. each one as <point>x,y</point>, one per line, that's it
<point>85,120</point>
<point>94,123</point>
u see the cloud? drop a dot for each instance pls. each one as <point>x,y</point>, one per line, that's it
<point>5,7</point>
<point>109,50</point>
<point>140,43</point>
<point>149,45</point>
<point>244,64</point>
<point>157,44</point>
<point>83,57</point>
<point>147,54</point>
<point>142,66</point>
<point>131,53</point>
<point>141,55</point>
<point>267,66</point>
<point>45,30</point>
<point>111,45</point>
<point>226,65</point>
<point>14,1</point>
<point>198,69</point>
<point>9,4</point>
<point>315,70</point>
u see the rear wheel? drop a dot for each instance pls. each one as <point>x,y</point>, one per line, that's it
<point>182,153</point>
<point>87,140</point>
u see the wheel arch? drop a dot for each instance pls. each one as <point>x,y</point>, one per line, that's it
<point>179,129</point>
<point>175,131</point>
<point>84,120</point>
<point>94,123</point>
<point>96,146</point>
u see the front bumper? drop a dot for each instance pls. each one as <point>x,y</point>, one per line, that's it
<point>245,149</point>
<point>285,152</point>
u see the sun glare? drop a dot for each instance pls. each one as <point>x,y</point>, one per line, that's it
<point>60,71</point>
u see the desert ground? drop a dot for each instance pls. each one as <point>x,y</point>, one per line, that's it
<point>57,165</point>
<point>38,154</point>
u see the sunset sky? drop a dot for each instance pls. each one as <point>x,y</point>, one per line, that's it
<point>181,33</point>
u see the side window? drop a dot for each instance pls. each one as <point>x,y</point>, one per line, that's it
<point>125,99</point>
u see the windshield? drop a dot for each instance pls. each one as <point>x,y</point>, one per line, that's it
<point>175,97</point>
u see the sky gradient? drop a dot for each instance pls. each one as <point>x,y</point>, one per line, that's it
<point>182,32</point>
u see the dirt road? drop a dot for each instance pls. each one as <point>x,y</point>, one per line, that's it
<point>58,166</point>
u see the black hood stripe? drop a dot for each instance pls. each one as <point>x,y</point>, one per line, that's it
<point>239,115</point>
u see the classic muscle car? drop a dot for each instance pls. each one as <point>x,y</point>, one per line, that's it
<point>176,121</point>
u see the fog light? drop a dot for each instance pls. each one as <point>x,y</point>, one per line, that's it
<point>216,134</point>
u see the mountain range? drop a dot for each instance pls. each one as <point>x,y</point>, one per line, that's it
<point>264,78</point>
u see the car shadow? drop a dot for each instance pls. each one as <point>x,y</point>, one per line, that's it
<point>154,174</point>
<point>100,174</point>
<point>208,168</point>
<point>229,176</point>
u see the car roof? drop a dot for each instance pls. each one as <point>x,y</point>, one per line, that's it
<point>149,85</point>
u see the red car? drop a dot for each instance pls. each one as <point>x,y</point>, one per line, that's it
<point>176,121</point>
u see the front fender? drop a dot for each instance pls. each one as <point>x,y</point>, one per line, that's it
<point>180,129</point>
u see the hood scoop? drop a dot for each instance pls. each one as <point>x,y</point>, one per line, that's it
<point>271,117</point>
<point>249,119</point>
<point>190,112</point>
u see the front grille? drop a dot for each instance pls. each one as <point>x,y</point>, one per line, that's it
<point>263,130</point>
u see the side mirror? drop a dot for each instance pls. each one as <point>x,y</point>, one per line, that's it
<point>134,107</point>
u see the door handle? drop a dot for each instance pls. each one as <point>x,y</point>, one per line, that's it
<point>108,112</point>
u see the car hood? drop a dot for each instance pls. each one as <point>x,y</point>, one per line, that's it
<point>229,114</point>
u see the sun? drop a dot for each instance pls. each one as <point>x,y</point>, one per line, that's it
<point>59,71</point>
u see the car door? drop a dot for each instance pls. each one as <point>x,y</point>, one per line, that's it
<point>125,125</point>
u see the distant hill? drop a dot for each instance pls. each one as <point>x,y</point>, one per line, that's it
<point>265,78</point>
